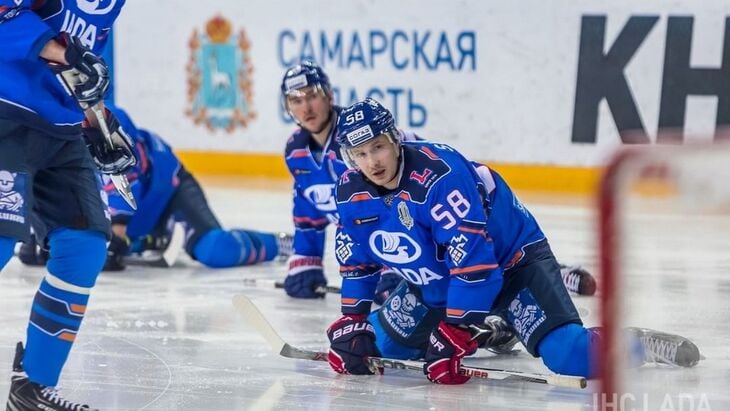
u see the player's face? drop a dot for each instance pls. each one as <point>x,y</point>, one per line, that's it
<point>377,160</point>
<point>310,107</point>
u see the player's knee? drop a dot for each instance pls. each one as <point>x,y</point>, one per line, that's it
<point>7,247</point>
<point>218,249</point>
<point>567,350</point>
<point>77,256</point>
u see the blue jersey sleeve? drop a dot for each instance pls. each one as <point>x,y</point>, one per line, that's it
<point>459,224</point>
<point>359,274</point>
<point>22,33</point>
<point>309,226</point>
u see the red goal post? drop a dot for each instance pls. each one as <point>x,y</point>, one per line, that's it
<point>673,183</point>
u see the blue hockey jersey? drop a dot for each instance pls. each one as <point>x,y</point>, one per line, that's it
<point>153,180</point>
<point>315,176</point>
<point>450,227</point>
<point>29,91</point>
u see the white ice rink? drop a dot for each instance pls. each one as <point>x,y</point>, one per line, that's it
<point>170,339</point>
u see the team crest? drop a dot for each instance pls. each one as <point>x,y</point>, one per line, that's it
<point>404,215</point>
<point>219,77</point>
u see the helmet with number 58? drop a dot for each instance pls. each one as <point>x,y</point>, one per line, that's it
<point>369,141</point>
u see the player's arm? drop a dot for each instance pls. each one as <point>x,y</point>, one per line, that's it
<point>24,36</point>
<point>459,224</point>
<point>306,271</point>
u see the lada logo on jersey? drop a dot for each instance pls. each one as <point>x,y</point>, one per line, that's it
<point>322,196</point>
<point>219,77</point>
<point>397,248</point>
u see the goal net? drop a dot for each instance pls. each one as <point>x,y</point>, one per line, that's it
<point>665,265</point>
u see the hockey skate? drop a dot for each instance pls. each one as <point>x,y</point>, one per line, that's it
<point>664,348</point>
<point>285,242</point>
<point>26,395</point>
<point>578,280</point>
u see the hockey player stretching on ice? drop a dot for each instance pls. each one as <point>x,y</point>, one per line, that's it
<point>471,253</point>
<point>47,175</point>
<point>314,161</point>
<point>166,192</point>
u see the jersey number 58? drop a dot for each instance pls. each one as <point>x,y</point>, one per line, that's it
<point>459,206</point>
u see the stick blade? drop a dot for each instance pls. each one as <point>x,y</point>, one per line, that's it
<point>255,318</point>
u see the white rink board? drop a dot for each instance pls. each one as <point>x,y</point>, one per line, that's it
<point>509,95</point>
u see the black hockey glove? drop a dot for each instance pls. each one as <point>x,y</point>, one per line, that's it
<point>31,253</point>
<point>118,248</point>
<point>352,340</point>
<point>87,75</point>
<point>109,160</point>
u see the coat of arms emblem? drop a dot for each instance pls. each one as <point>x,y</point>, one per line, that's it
<point>219,77</point>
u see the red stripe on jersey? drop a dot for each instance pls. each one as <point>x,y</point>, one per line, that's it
<point>360,197</point>
<point>299,153</point>
<point>348,301</point>
<point>471,269</point>
<point>309,220</point>
<point>470,230</point>
<point>453,312</point>
<point>427,151</point>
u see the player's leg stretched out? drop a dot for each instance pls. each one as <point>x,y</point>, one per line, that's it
<point>213,246</point>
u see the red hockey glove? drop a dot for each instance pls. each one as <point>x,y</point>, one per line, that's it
<point>447,345</point>
<point>352,339</point>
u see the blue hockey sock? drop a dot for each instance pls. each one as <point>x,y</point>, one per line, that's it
<point>569,350</point>
<point>7,248</point>
<point>60,303</point>
<point>219,248</point>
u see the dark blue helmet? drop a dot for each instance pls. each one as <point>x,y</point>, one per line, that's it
<point>305,74</point>
<point>363,121</point>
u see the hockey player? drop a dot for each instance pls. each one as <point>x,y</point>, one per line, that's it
<point>313,158</point>
<point>472,254</point>
<point>168,193</point>
<point>47,175</point>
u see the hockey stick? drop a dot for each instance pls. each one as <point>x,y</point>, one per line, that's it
<point>165,258</point>
<point>280,284</point>
<point>252,314</point>
<point>70,78</point>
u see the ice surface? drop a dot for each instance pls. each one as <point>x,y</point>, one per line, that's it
<point>170,339</point>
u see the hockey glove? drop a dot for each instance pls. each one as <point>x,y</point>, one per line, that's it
<point>352,340</point>
<point>388,281</point>
<point>31,253</point>
<point>109,160</point>
<point>496,335</point>
<point>86,74</point>
<point>447,345</point>
<point>118,248</point>
<point>305,276</point>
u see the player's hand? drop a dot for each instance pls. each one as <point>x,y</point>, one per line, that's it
<point>92,74</point>
<point>352,339</point>
<point>305,276</point>
<point>118,248</point>
<point>447,345</point>
<point>31,254</point>
<point>389,280</point>
<point>109,160</point>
